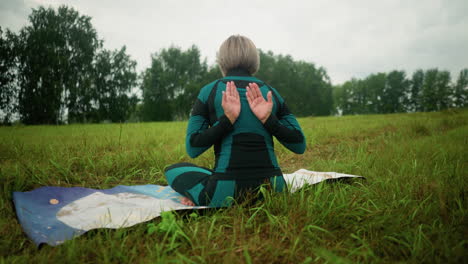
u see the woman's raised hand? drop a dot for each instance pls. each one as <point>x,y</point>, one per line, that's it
<point>231,102</point>
<point>258,105</point>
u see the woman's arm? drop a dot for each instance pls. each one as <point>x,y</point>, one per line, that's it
<point>200,136</point>
<point>286,129</point>
<point>282,124</point>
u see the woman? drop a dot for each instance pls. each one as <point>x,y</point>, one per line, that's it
<point>233,115</point>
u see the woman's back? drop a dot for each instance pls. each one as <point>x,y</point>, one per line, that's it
<point>244,150</point>
<point>238,115</point>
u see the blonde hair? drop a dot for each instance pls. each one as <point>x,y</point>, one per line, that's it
<point>238,52</point>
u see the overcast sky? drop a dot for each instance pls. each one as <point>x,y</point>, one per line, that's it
<point>348,38</point>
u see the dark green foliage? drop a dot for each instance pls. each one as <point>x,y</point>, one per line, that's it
<point>114,78</point>
<point>460,90</point>
<point>55,66</point>
<point>443,90</point>
<point>375,85</point>
<point>54,71</point>
<point>414,100</point>
<point>344,97</point>
<point>362,96</point>
<point>306,88</point>
<point>212,74</point>
<point>431,90</point>
<point>8,76</point>
<point>172,83</point>
<point>393,96</point>
<point>378,93</point>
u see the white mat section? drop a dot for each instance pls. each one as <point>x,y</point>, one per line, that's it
<point>100,210</point>
<point>301,177</point>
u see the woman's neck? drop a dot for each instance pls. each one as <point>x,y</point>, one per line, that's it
<point>238,72</point>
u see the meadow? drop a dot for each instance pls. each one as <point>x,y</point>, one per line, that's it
<point>412,207</point>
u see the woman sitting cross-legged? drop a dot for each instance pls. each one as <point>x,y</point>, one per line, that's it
<point>238,114</point>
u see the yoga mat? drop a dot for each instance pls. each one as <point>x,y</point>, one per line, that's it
<point>53,215</point>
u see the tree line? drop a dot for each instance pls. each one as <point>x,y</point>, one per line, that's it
<point>172,82</point>
<point>393,92</point>
<point>55,70</point>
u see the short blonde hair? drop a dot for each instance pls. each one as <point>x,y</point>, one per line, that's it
<point>238,52</point>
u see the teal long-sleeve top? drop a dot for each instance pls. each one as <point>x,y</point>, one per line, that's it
<point>245,148</point>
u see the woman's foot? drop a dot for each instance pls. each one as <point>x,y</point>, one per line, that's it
<point>186,201</point>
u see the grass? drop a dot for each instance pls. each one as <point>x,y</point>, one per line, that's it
<point>412,207</point>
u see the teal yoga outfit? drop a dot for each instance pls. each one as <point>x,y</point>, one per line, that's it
<point>244,152</point>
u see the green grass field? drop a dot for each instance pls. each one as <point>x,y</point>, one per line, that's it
<point>412,207</point>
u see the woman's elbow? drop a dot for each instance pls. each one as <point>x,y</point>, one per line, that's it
<point>298,148</point>
<point>192,152</point>
<point>301,149</point>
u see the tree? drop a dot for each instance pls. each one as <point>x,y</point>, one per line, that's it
<point>8,76</point>
<point>306,88</point>
<point>460,89</point>
<point>114,78</point>
<point>340,99</point>
<point>393,97</point>
<point>414,97</point>
<point>429,91</point>
<point>361,96</point>
<point>56,52</point>
<point>375,85</point>
<point>436,93</point>
<point>172,83</point>
<point>213,73</point>
<point>346,98</point>
<point>443,90</point>
<point>393,92</point>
